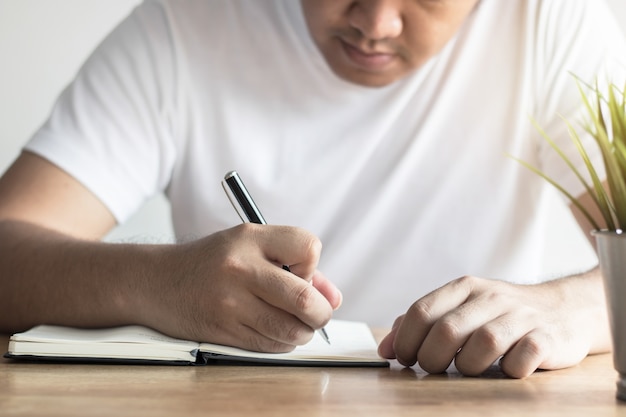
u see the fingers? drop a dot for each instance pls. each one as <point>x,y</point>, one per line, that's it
<point>291,246</point>
<point>328,290</point>
<point>258,267</point>
<point>541,348</point>
<point>490,341</point>
<point>527,355</point>
<point>419,320</point>
<point>289,293</point>
<point>248,338</point>
<point>268,329</point>
<point>385,348</point>
<point>474,322</point>
<point>230,288</point>
<point>242,319</point>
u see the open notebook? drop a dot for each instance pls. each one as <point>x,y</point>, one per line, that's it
<point>352,344</point>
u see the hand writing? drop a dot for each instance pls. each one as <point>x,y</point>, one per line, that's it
<point>229,288</point>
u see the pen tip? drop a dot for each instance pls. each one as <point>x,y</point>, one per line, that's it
<point>324,335</point>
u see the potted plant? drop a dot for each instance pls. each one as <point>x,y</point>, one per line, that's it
<point>607,125</point>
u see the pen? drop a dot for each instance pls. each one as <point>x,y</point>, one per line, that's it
<point>249,212</point>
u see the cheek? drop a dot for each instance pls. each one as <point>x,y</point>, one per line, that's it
<point>426,36</point>
<point>432,26</point>
<point>429,43</point>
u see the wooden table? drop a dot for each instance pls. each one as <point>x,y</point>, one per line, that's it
<point>30,389</point>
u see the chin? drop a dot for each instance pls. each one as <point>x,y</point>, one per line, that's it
<point>368,79</point>
<point>375,78</point>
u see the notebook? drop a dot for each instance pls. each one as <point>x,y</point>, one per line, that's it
<point>351,344</point>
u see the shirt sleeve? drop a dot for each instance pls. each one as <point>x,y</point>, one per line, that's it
<point>575,40</point>
<point>113,126</point>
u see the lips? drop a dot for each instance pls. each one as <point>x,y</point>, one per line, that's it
<point>372,61</point>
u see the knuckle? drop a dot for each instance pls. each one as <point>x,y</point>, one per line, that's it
<point>448,329</point>
<point>225,306</point>
<point>309,249</point>
<point>310,310</point>
<point>420,312</point>
<point>466,281</point>
<point>246,228</point>
<point>533,347</point>
<point>489,340</point>
<point>304,298</point>
<point>298,335</point>
<point>529,352</point>
<point>228,303</point>
<point>498,298</point>
<point>232,264</point>
<point>471,284</point>
<point>314,246</point>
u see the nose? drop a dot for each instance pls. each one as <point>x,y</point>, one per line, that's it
<point>376,19</point>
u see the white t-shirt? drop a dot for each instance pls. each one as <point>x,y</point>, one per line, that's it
<point>408,186</point>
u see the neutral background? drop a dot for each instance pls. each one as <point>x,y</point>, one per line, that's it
<point>42,45</point>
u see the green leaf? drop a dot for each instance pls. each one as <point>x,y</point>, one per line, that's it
<point>606,124</point>
<point>561,189</point>
<point>598,194</point>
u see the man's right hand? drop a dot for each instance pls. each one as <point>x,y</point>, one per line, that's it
<point>226,288</point>
<point>230,288</point>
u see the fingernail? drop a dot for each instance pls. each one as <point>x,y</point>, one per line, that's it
<point>340,300</point>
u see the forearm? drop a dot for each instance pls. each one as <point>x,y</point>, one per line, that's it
<point>48,277</point>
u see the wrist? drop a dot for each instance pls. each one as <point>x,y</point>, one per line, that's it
<point>585,301</point>
<point>140,286</point>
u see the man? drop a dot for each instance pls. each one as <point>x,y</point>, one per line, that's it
<point>378,127</point>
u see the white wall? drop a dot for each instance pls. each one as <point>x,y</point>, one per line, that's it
<point>42,45</point>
